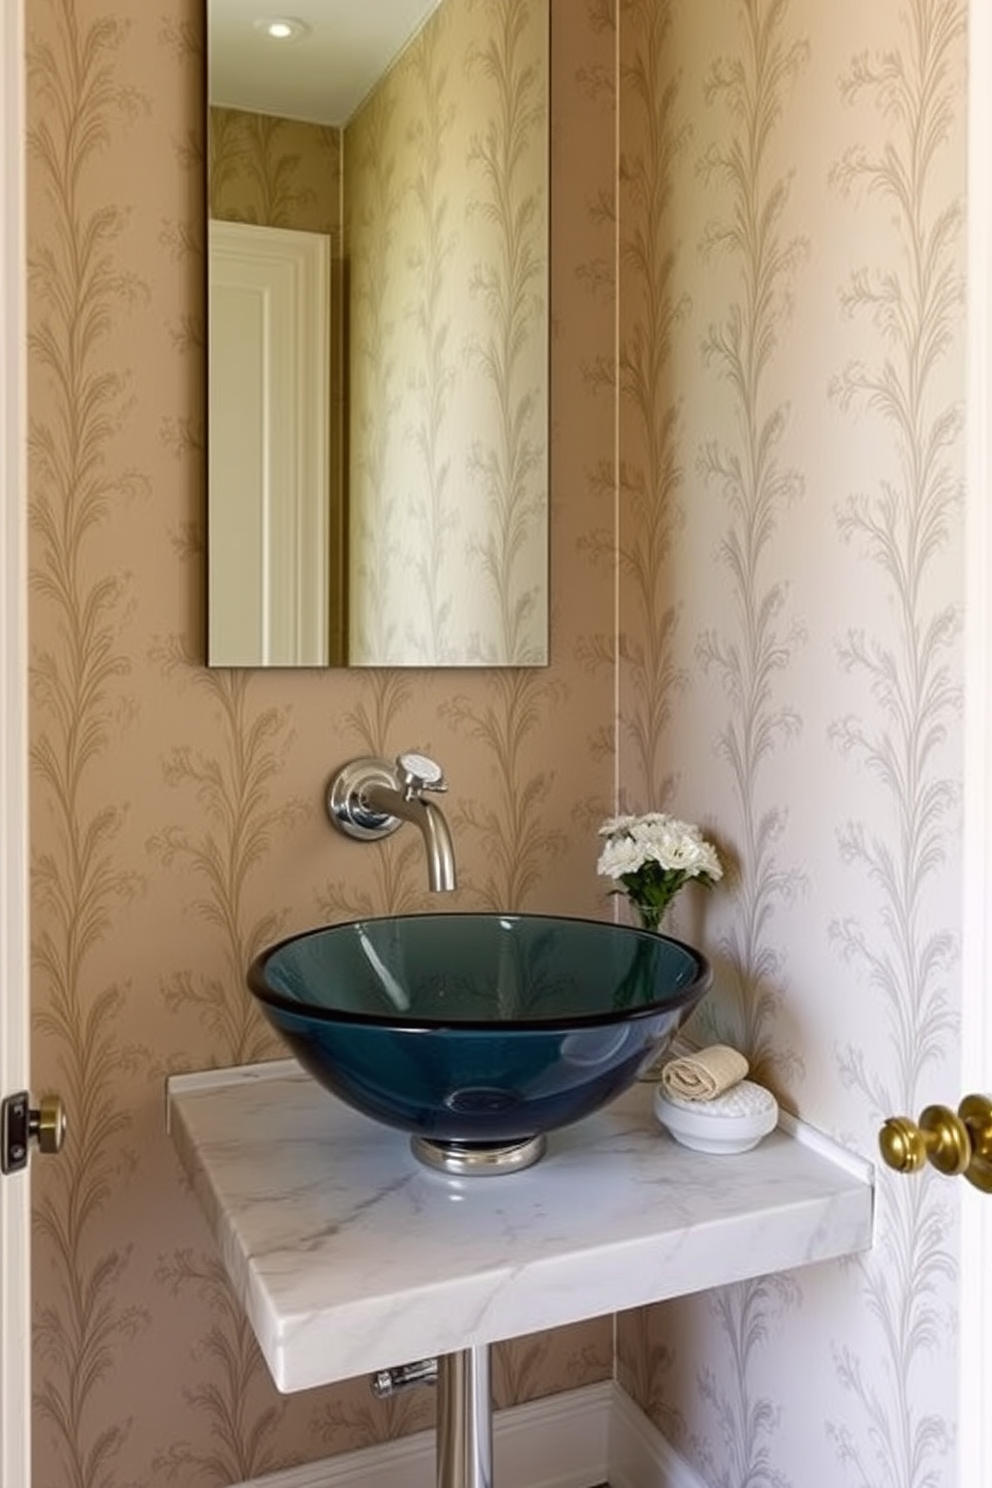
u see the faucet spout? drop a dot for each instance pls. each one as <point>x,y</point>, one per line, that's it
<point>433,827</point>
<point>371,798</point>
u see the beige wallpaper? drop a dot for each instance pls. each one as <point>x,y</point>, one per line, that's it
<point>274,172</point>
<point>177,813</point>
<point>783,536</point>
<point>446,213</point>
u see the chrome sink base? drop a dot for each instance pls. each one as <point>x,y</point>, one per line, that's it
<point>467,1160</point>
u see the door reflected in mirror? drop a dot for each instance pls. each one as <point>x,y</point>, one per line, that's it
<point>409,525</point>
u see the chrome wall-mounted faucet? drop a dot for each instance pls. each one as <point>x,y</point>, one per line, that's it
<point>370,798</point>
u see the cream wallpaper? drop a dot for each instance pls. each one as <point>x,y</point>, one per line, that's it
<point>792,377</point>
<point>446,213</point>
<point>780,337</point>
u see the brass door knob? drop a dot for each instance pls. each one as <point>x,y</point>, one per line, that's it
<point>46,1124</point>
<point>952,1142</point>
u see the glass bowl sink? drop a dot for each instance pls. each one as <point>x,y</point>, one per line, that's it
<point>477,1033</point>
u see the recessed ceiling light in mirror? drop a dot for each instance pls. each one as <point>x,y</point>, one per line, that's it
<point>282,28</point>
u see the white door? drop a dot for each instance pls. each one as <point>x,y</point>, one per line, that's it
<point>269,349</point>
<point>14,1192</point>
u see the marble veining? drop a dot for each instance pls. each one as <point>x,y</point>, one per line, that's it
<point>350,1256</point>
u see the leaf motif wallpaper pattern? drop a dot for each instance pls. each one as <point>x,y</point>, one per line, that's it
<point>849,1015</point>
<point>518,848</point>
<point>446,220</point>
<point>179,817</point>
<point>274,172</point>
<point>510,454</point>
<point>745,1449</point>
<point>655,134</point>
<point>426,321</point>
<point>237,1445</point>
<point>224,846</point>
<point>79,677</point>
<point>744,473</point>
<point>757,583</point>
<point>900,527</point>
<point>758,641</point>
<point>375,220</point>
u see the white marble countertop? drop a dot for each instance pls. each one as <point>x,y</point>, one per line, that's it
<point>350,1256</point>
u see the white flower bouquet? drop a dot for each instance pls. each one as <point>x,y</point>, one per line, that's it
<point>651,857</point>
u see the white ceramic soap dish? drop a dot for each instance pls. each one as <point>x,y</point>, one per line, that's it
<point>732,1122</point>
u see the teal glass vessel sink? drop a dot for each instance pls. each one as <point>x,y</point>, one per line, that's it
<point>477,1033</point>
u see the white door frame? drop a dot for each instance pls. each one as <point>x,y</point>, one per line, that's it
<point>15,1291</point>
<point>975,1299</point>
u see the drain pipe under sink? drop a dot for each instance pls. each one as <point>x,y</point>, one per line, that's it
<point>464,1424</point>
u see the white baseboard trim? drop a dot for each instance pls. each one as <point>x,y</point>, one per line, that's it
<point>558,1442</point>
<point>571,1440</point>
<point>638,1455</point>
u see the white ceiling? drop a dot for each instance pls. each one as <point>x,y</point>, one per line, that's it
<point>321,76</point>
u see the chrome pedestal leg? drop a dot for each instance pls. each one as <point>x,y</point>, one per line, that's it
<point>464,1420</point>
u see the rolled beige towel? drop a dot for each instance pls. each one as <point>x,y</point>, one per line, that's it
<point>704,1075</point>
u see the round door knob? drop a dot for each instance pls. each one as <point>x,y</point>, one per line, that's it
<point>902,1146</point>
<point>47,1122</point>
<point>947,1141</point>
<point>941,1138</point>
<point>976,1113</point>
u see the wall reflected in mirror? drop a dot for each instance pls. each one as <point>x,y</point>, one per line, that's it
<point>378,336</point>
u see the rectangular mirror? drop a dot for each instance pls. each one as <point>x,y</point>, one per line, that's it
<point>378,216</point>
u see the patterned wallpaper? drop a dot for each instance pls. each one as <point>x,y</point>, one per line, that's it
<point>274,172</point>
<point>792,382</point>
<point>782,535</point>
<point>446,213</point>
<point>178,818</point>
